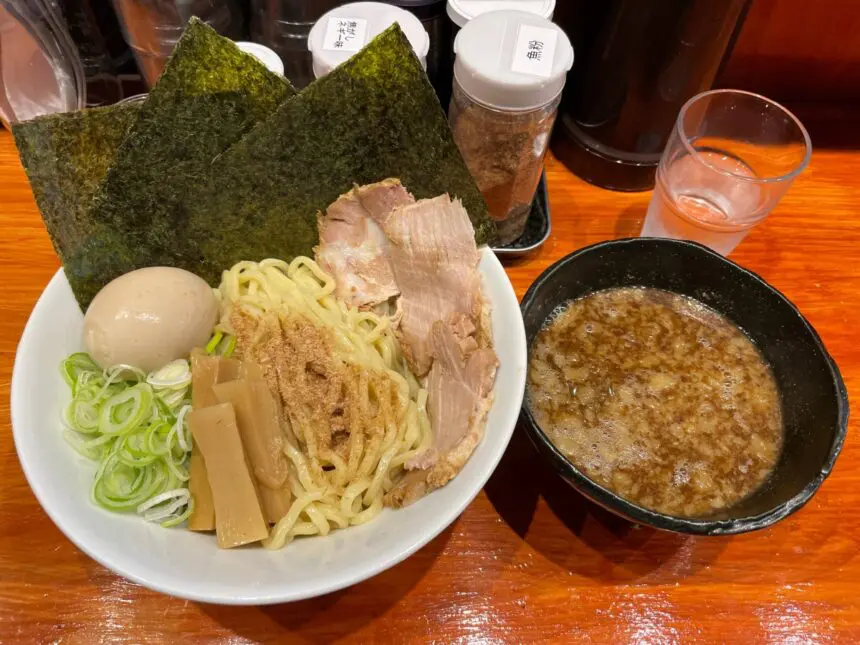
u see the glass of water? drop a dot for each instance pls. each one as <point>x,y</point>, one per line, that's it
<point>731,157</point>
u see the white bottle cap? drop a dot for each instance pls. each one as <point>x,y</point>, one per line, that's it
<point>512,60</point>
<point>462,11</point>
<point>263,54</point>
<point>343,31</point>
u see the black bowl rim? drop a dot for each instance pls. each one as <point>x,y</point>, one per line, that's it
<point>636,513</point>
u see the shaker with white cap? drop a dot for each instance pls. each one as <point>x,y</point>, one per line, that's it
<point>462,11</point>
<point>343,31</point>
<point>509,71</point>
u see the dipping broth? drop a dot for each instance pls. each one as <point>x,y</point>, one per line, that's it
<point>658,398</point>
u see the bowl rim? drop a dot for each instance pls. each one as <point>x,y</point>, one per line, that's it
<point>619,505</point>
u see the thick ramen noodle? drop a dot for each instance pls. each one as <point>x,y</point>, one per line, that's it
<point>354,413</point>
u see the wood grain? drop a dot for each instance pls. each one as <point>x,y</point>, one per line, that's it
<point>529,560</point>
<point>796,50</point>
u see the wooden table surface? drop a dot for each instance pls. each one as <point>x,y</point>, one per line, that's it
<point>529,560</point>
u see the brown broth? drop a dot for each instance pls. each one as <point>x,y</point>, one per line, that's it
<point>658,398</point>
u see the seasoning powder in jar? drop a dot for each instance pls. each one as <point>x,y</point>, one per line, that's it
<point>509,71</point>
<point>343,31</point>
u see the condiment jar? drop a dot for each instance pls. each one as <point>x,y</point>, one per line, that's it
<point>462,11</point>
<point>343,31</point>
<point>504,103</point>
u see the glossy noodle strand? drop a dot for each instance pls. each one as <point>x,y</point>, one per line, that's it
<point>385,415</point>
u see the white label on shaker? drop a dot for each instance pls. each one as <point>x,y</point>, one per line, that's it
<point>345,34</point>
<point>534,51</point>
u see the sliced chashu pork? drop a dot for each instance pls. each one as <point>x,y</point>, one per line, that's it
<point>354,249</point>
<point>443,323</point>
<point>459,388</point>
<point>435,263</point>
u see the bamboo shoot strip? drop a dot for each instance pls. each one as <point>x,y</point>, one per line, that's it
<point>238,518</point>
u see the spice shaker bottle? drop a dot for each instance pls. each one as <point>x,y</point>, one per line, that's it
<point>460,12</point>
<point>343,31</point>
<point>504,103</point>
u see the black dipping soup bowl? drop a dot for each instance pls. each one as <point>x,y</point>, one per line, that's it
<point>814,399</point>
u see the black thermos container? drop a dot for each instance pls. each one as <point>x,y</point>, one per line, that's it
<point>636,63</point>
<point>440,59</point>
<point>284,25</point>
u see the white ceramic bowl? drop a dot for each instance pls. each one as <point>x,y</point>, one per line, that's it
<point>189,565</point>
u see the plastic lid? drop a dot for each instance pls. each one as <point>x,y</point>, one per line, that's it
<point>526,66</point>
<point>343,31</point>
<point>462,11</point>
<point>263,54</point>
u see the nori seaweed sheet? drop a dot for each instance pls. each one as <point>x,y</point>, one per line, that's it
<point>66,157</point>
<point>209,95</point>
<point>373,117</point>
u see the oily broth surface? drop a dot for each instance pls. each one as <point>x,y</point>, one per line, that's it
<point>658,398</point>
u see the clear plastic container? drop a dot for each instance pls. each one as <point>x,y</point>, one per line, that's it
<point>504,104</point>
<point>152,27</point>
<point>105,56</point>
<point>40,69</point>
<point>504,151</point>
<point>284,26</point>
<point>369,19</point>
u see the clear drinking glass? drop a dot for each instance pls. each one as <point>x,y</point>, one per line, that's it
<point>731,157</point>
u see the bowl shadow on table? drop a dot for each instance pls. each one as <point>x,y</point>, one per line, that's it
<point>591,541</point>
<point>315,620</point>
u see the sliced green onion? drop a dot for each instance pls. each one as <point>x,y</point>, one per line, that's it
<point>125,411</point>
<point>75,365</point>
<point>179,519</point>
<point>155,444</point>
<point>82,415</point>
<point>214,342</point>
<point>173,399</point>
<point>175,375</point>
<point>181,430</point>
<point>221,345</point>
<point>133,425</point>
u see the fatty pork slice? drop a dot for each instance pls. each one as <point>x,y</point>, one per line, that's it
<point>435,264</point>
<point>381,198</point>
<point>459,397</point>
<point>353,248</point>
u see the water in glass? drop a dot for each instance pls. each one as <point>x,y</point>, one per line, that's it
<point>699,198</point>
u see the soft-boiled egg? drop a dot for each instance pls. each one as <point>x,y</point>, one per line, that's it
<point>149,317</point>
